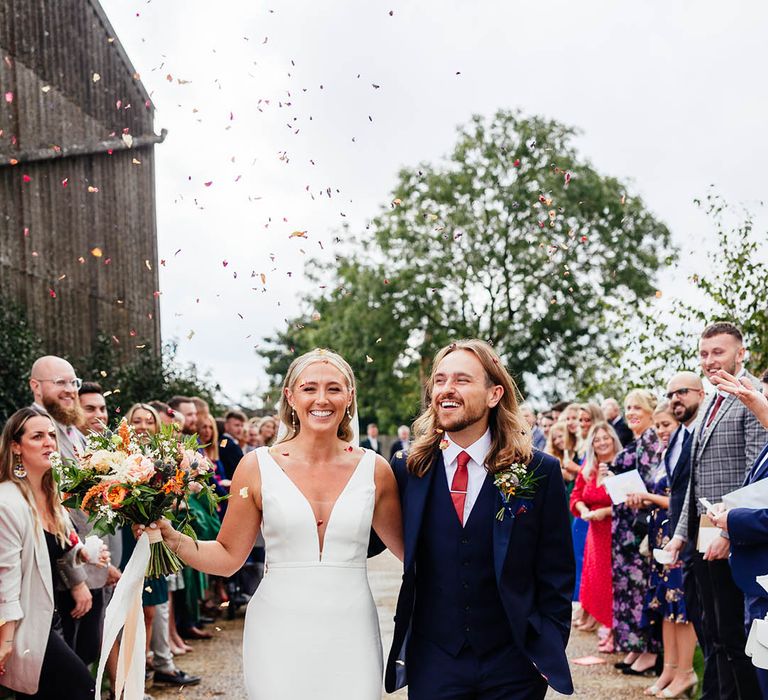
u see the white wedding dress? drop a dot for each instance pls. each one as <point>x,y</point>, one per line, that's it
<point>311,629</point>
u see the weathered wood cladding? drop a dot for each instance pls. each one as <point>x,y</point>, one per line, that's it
<point>50,223</point>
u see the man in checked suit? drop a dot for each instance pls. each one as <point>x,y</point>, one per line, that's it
<point>725,445</point>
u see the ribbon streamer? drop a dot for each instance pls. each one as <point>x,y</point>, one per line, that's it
<point>124,612</point>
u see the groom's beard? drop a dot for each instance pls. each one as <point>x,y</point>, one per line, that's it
<point>457,423</point>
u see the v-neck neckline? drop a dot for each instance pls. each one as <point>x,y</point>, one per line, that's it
<point>320,544</point>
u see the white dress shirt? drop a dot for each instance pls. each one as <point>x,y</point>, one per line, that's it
<point>677,448</point>
<point>476,470</point>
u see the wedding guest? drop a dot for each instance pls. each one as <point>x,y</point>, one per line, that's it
<point>561,444</point>
<point>94,407</point>
<point>37,543</point>
<point>371,441</point>
<point>230,452</point>
<point>571,417</point>
<point>54,386</point>
<point>748,527</point>
<point>268,430</point>
<point>546,421</point>
<point>166,413</point>
<point>539,439</point>
<point>591,502</point>
<point>187,407</point>
<point>557,409</point>
<point>201,405</point>
<point>144,419</point>
<point>251,437</point>
<point>589,415</point>
<point>664,600</point>
<point>628,529</point>
<point>726,444</point>
<point>403,442</point>
<point>155,597</point>
<point>612,413</point>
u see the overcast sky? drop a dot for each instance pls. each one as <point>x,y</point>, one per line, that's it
<point>267,105</point>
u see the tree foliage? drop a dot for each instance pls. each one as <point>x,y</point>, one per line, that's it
<point>150,376</point>
<point>513,238</point>
<point>20,346</point>
<point>732,287</point>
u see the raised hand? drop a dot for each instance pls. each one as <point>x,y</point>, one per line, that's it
<point>743,390</point>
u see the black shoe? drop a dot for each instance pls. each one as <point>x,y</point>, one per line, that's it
<point>178,678</point>
<point>621,665</point>
<point>629,671</point>
<point>205,620</point>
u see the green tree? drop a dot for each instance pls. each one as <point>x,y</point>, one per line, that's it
<point>514,238</point>
<point>733,287</point>
<point>20,346</point>
<point>149,376</point>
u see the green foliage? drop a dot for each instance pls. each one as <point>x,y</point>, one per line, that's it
<point>514,239</point>
<point>20,346</point>
<point>733,287</point>
<point>149,376</point>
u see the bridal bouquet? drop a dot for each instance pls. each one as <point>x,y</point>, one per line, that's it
<point>123,479</point>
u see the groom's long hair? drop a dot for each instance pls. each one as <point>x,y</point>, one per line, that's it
<point>511,439</point>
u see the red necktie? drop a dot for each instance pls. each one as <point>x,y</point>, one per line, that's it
<point>715,408</point>
<point>459,485</point>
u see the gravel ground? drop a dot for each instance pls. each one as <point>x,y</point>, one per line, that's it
<point>219,660</point>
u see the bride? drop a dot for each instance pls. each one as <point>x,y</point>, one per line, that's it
<point>311,629</point>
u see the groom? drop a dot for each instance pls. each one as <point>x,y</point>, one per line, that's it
<point>485,606</point>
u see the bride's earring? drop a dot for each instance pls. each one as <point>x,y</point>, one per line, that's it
<point>293,418</point>
<point>349,415</point>
<point>19,470</point>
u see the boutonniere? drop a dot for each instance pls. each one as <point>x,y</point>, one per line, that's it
<point>514,481</point>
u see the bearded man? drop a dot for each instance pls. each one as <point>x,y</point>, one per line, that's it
<point>484,610</point>
<point>54,386</point>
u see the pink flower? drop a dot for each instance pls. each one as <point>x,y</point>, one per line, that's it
<point>140,469</point>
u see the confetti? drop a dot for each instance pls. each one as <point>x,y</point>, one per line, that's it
<point>26,178</point>
<point>96,77</point>
<point>127,140</point>
<point>349,448</point>
<point>298,234</point>
<point>9,96</point>
<point>97,252</point>
<point>443,444</point>
<point>368,359</point>
<point>244,492</point>
<point>92,189</point>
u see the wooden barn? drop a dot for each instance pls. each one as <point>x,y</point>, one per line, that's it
<point>78,238</point>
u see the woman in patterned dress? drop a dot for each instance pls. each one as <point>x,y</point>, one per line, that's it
<point>664,600</point>
<point>630,568</point>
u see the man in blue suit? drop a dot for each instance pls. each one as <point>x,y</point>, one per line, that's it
<point>485,606</point>
<point>748,527</point>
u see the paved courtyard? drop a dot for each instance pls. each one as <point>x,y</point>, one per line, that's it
<point>219,660</point>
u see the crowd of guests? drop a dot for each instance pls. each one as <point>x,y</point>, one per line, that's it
<point>663,570</point>
<point>53,589</point>
<point>660,571</point>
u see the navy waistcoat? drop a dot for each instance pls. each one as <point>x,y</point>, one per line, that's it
<point>457,600</point>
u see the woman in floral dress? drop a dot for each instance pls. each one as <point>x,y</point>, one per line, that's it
<point>664,601</point>
<point>630,569</point>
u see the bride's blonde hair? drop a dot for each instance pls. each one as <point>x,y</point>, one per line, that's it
<point>285,412</point>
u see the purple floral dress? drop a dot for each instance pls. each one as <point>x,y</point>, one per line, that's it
<point>630,569</point>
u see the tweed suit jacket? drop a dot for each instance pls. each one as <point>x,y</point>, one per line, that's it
<point>721,456</point>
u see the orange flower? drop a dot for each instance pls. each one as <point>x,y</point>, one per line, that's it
<point>125,434</point>
<point>115,495</point>
<point>175,484</point>
<point>92,493</point>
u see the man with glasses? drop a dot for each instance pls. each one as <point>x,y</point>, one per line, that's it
<point>725,445</point>
<point>54,386</point>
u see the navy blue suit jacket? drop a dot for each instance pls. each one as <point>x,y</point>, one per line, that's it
<point>748,530</point>
<point>535,570</point>
<point>679,475</point>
